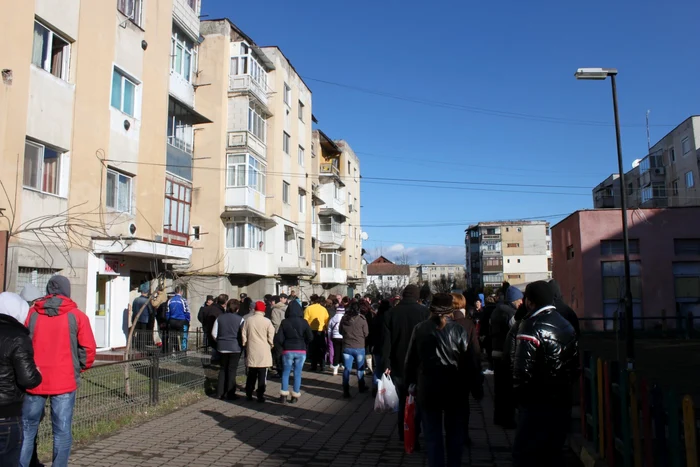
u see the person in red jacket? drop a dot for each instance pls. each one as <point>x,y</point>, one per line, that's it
<point>63,347</point>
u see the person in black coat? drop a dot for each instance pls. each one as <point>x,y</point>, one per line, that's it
<point>376,330</point>
<point>398,327</point>
<point>209,315</point>
<point>293,337</point>
<point>562,308</point>
<point>18,372</point>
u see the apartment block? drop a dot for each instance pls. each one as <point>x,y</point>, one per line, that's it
<point>422,273</point>
<point>97,95</point>
<point>666,176</point>
<point>269,217</point>
<point>514,251</point>
<point>665,265</point>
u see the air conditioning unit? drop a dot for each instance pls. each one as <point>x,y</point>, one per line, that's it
<point>659,171</point>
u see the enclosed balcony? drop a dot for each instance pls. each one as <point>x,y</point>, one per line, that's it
<point>249,72</point>
<point>246,178</point>
<point>332,195</point>
<point>331,271</point>
<point>330,233</point>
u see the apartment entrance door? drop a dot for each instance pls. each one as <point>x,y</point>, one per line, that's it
<point>103,298</point>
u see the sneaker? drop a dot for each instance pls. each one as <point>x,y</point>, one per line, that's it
<point>488,372</point>
<point>335,370</point>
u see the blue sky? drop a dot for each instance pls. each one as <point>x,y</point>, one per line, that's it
<point>513,57</point>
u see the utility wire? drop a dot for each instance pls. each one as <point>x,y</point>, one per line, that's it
<point>473,109</point>
<point>463,222</point>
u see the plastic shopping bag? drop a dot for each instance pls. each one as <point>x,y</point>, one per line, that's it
<point>387,400</point>
<point>379,400</point>
<point>409,425</point>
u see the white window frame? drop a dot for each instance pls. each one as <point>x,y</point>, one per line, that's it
<point>301,156</point>
<point>46,52</point>
<point>244,235</point>
<point>301,111</point>
<point>331,260</point>
<point>253,170</point>
<point>132,9</point>
<point>179,41</point>
<point>40,169</point>
<point>257,124</point>
<point>247,64</point>
<point>125,78</point>
<point>285,192</point>
<point>286,142</point>
<point>689,179</point>
<point>685,142</point>
<point>301,246</point>
<point>116,186</point>
<point>287,95</point>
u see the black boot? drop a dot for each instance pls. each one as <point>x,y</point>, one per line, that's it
<point>346,391</point>
<point>362,386</point>
<point>293,400</point>
<point>283,399</point>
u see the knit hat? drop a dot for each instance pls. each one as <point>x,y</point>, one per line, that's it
<point>260,306</point>
<point>441,304</point>
<point>513,294</point>
<point>144,288</point>
<point>539,293</point>
<point>30,293</point>
<point>411,292</point>
<point>58,285</point>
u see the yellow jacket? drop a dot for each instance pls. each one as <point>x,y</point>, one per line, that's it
<point>317,317</point>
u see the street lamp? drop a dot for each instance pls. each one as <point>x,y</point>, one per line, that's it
<point>601,74</point>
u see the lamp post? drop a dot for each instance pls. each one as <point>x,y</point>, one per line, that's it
<point>602,74</point>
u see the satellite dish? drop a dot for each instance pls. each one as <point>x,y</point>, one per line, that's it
<point>364,236</point>
<point>635,163</point>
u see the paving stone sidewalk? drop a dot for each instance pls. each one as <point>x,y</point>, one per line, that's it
<point>323,429</point>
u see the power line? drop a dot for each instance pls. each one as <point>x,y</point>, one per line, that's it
<point>441,223</point>
<point>481,189</point>
<point>473,109</point>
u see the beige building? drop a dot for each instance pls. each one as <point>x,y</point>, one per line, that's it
<point>667,176</point>
<point>422,273</point>
<point>258,211</point>
<point>99,184</point>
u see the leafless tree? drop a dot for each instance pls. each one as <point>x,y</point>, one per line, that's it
<point>442,284</point>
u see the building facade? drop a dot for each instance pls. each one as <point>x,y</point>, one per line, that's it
<point>514,251</point>
<point>666,176</point>
<point>387,278</point>
<point>665,264</point>
<point>422,273</point>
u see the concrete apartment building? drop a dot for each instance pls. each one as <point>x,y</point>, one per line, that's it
<point>665,264</point>
<point>667,176</point>
<point>421,273</point>
<point>514,251</point>
<point>272,213</point>
<point>95,97</point>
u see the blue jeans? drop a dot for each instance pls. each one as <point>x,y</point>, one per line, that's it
<point>61,420</point>
<point>432,421</point>
<point>292,361</point>
<point>377,373</point>
<point>357,356</point>
<point>10,441</point>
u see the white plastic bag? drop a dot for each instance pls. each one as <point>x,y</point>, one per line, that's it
<point>387,400</point>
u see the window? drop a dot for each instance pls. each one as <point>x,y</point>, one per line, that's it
<point>313,250</point>
<point>513,245</point>
<point>672,154</point>
<point>651,162</point>
<point>118,191</point>
<point>686,246</point>
<point>192,4</point>
<point>38,277</point>
<point>301,111</point>
<point>617,247</point>
<point>183,54</point>
<point>613,273</point>
<point>288,239</point>
<point>245,235</point>
<point>302,247</point>
<point>330,224</point>
<point>257,124</point>
<point>236,172</point>
<point>331,259</point>
<point>686,277</point>
<point>689,182</point>
<point>336,191</point>
<point>285,192</point>
<point>285,142</point>
<point>685,143</point>
<point>247,64</point>
<point>656,190</point>
<point>349,171</point>
<point>287,94</point>
<point>630,188</point>
<point>50,52</point>
<point>178,201</point>
<point>180,130</point>
<point>302,202</point>
<point>570,252</point>
<point>518,260</point>
<point>131,9</point>
<point>42,168</point>
<point>123,93</point>
<point>674,187</point>
<point>301,156</point>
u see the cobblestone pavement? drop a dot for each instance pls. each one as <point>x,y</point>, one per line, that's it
<point>322,429</point>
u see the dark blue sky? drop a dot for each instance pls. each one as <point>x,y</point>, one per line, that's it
<point>512,57</point>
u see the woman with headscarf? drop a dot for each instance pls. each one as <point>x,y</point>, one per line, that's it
<point>354,330</point>
<point>440,364</point>
<point>18,372</point>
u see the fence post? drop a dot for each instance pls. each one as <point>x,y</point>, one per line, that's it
<point>594,399</point>
<point>674,436</point>
<point>659,417</point>
<point>625,419</point>
<point>153,383</point>
<point>691,450</point>
<point>634,420</point>
<point>646,424</point>
<point>610,433</point>
<point>601,406</point>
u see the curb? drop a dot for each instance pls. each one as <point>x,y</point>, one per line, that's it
<point>585,452</point>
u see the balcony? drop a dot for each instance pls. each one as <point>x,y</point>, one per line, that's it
<point>186,15</point>
<point>333,276</point>
<point>330,239</point>
<point>330,194</point>
<point>245,197</point>
<point>243,261</point>
<point>491,237</point>
<point>493,267</point>
<point>491,253</point>
<point>178,161</point>
<point>244,140</point>
<point>246,84</point>
<point>329,169</point>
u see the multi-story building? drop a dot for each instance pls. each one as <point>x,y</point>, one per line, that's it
<point>664,177</point>
<point>514,251</point>
<point>422,273</point>
<point>273,217</point>
<point>388,278</point>
<point>99,185</point>
<point>665,264</point>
